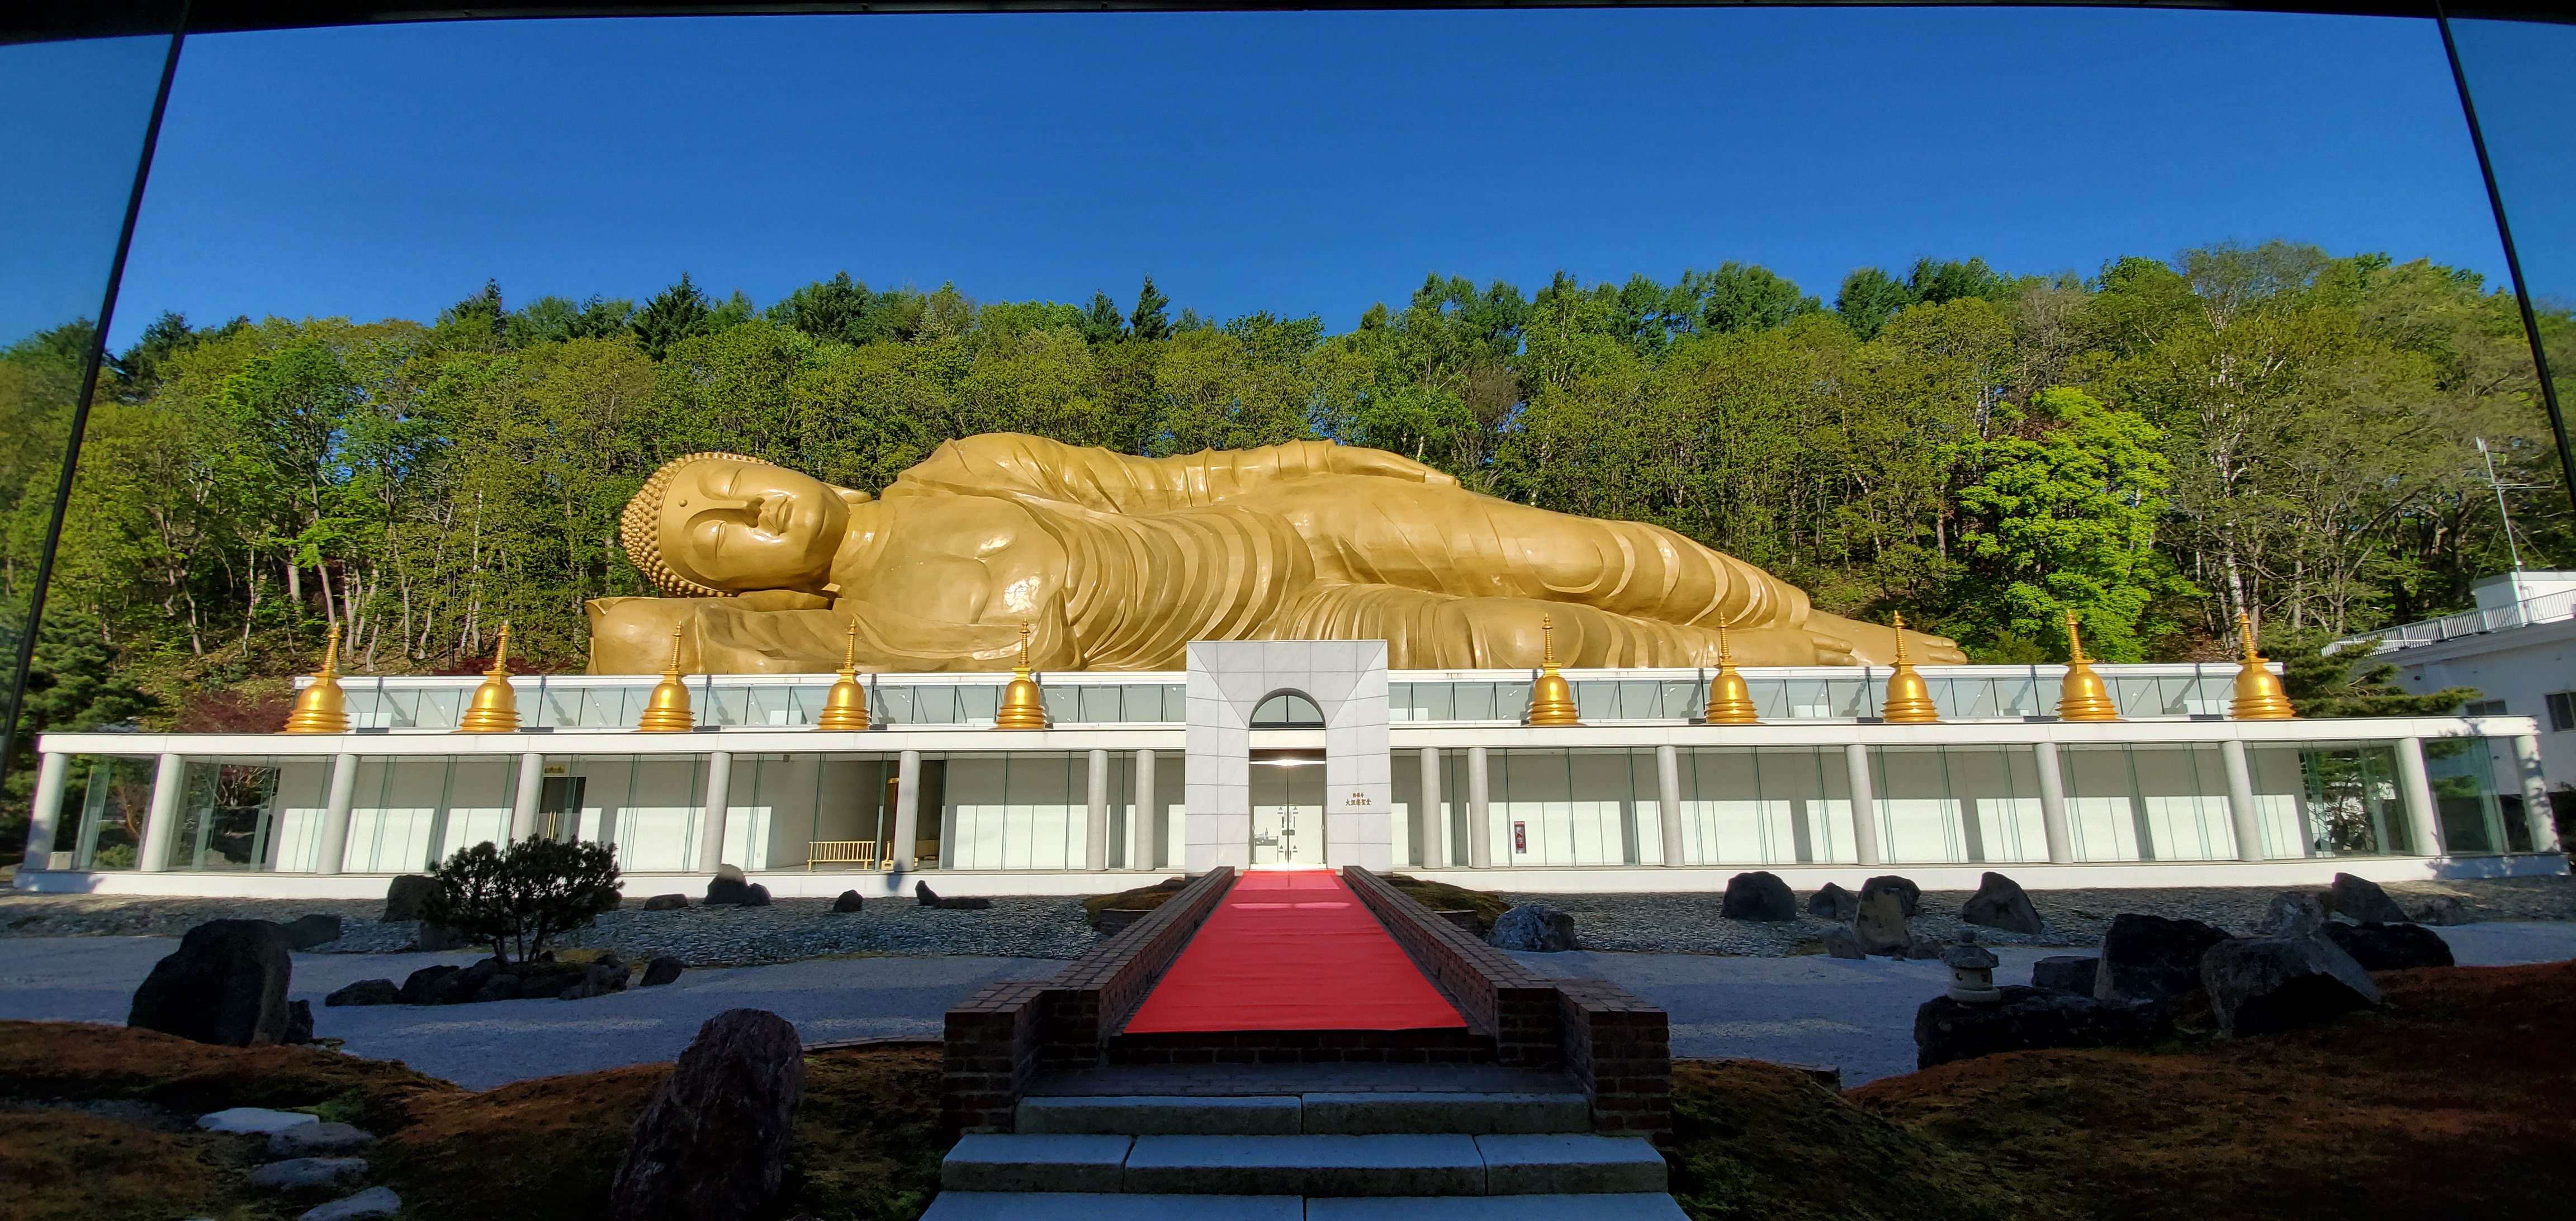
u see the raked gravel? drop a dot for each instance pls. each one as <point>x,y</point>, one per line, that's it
<point>790,930</point>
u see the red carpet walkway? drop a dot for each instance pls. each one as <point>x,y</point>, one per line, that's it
<point>1293,950</point>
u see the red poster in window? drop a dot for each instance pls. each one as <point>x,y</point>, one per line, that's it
<point>1520,837</point>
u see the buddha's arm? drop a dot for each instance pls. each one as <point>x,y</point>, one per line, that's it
<point>725,636</point>
<point>1010,464</point>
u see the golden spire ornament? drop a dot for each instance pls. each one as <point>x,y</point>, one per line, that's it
<point>845,706</point>
<point>322,707</point>
<point>1023,706</point>
<point>1730,701</point>
<point>1909,698</point>
<point>2259,694</point>
<point>495,708</point>
<point>2083,696</point>
<point>1551,697</point>
<point>668,710</point>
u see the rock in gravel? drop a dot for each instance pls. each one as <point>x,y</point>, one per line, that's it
<point>2292,912</point>
<point>2150,958</point>
<point>1533,927</point>
<point>848,902</point>
<point>225,984</point>
<point>1880,925</point>
<point>373,1202</point>
<point>309,1174</point>
<point>254,1119</point>
<point>2444,910</point>
<point>712,1144</point>
<point>1922,949</point>
<point>2362,901</point>
<point>306,932</point>
<point>1759,895</point>
<point>1947,1030</point>
<point>2263,985</point>
<point>1840,942</point>
<point>667,903</point>
<point>426,985</point>
<point>405,894</point>
<point>1913,894</point>
<point>2065,973</point>
<point>299,1022</point>
<point>1834,903</point>
<point>306,1140</point>
<point>2000,904</point>
<point>931,898</point>
<point>365,992</point>
<point>730,887</point>
<point>662,970</point>
<point>2390,947</point>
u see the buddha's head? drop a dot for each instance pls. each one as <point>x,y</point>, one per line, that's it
<point>714,525</point>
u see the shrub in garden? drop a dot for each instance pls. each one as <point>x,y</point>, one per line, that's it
<point>515,898</point>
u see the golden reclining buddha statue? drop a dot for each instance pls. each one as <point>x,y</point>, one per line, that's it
<point>1118,563</point>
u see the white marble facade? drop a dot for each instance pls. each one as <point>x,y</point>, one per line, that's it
<point>1346,680</point>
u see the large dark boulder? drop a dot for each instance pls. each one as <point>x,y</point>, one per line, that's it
<point>2151,958</point>
<point>299,1022</point>
<point>662,970</point>
<point>225,984</point>
<point>1841,943</point>
<point>2000,904</point>
<point>730,888</point>
<point>1909,894</point>
<point>1533,927</point>
<point>1834,903</point>
<point>2262,985</point>
<point>1760,895</point>
<point>2292,913</point>
<point>849,901</point>
<point>1880,924</point>
<point>2066,973</point>
<point>931,898</point>
<point>712,1144</point>
<point>306,932</point>
<point>427,985</point>
<point>1947,1029</point>
<point>365,992</point>
<point>405,894</point>
<point>2362,901</point>
<point>2390,947</point>
<point>667,903</point>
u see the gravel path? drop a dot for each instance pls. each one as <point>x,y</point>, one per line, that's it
<point>791,930</point>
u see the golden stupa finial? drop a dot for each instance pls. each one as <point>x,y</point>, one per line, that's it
<point>668,709</point>
<point>2259,693</point>
<point>1730,701</point>
<point>1551,697</point>
<point>1909,698</point>
<point>321,707</point>
<point>495,707</point>
<point>1023,706</point>
<point>845,706</point>
<point>2083,696</point>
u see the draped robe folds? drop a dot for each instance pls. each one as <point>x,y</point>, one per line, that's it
<point>1117,563</point>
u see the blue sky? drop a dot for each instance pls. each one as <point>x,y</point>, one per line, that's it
<point>1295,162</point>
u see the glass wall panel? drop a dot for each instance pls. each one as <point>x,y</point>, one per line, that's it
<point>2462,775</point>
<point>1952,804</point>
<point>407,814</point>
<point>1567,807</point>
<point>2101,810</point>
<point>2354,808</point>
<point>1020,810</point>
<point>1776,805</point>
<point>106,800</point>
<point>2182,797</point>
<point>2517,74</point>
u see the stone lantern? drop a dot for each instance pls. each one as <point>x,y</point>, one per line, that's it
<point>1972,974</point>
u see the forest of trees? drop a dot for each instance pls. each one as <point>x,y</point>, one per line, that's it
<point>2153,447</point>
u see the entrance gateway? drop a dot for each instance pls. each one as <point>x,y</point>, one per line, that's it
<point>1288,755</point>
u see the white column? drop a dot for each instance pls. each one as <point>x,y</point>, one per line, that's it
<point>1432,819</point>
<point>1095,840</point>
<point>1668,796</point>
<point>335,814</point>
<point>163,820</point>
<point>2535,793</point>
<point>2418,792</point>
<point>523,804</point>
<point>46,814</point>
<point>2052,804</point>
<point>1480,841</point>
<point>907,809</point>
<point>2240,801</point>
<point>1864,804</point>
<point>711,834</point>
<point>1140,825</point>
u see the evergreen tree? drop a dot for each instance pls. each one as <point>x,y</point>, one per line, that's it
<point>1147,322</point>
<point>675,313</point>
<point>835,310</point>
<point>1869,298</point>
<point>478,321</point>
<point>1102,323</point>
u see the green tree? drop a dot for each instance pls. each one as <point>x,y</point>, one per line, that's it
<point>514,899</point>
<point>1146,321</point>
<point>1737,297</point>
<point>675,313</point>
<point>1869,298</point>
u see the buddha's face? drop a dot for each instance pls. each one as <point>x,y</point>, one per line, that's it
<point>740,526</point>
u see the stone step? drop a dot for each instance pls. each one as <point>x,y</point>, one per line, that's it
<point>1411,1164</point>
<point>1366,1113</point>
<point>1079,1206</point>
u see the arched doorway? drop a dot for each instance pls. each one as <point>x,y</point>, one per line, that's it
<point>1288,784</point>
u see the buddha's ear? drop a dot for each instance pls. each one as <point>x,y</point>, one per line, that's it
<point>850,496</point>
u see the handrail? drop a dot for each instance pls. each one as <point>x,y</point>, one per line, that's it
<point>2547,608</point>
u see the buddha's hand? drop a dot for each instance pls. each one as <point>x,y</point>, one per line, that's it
<point>1850,642</point>
<point>1359,460</point>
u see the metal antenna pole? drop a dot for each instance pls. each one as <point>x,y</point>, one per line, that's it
<point>2501,511</point>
